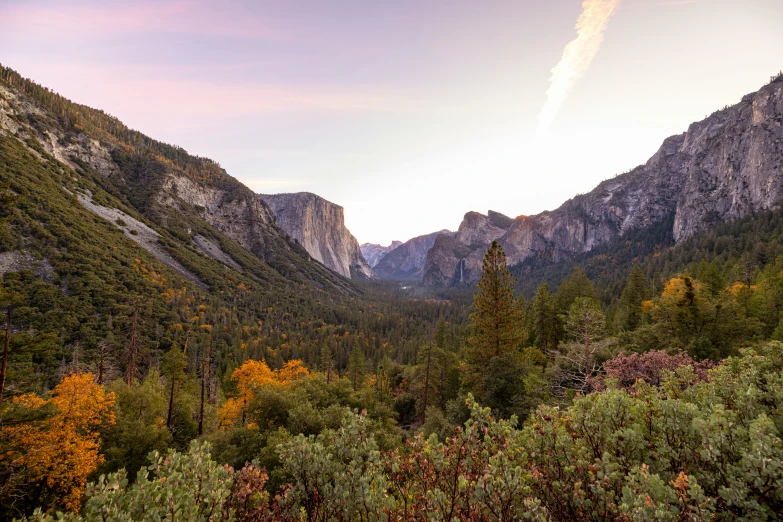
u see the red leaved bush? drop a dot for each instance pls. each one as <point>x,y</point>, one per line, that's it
<point>628,369</point>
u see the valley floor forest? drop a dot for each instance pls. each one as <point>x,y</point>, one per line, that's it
<point>509,409</point>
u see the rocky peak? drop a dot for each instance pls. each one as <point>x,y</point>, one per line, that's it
<point>478,229</point>
<point>319,226</point>
<point>725,167</point>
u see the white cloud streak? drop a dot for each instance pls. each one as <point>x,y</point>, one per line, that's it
<point>576,57</point>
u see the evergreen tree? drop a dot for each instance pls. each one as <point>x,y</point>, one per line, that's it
<point>439,338</point>
<point>445,377</point>
<point>356,366</point>
<point>577,285</point>
<point>712,277</point>
<point>498,318</point>
<point>426,383</point>
<point>634,293</point>
<point>545,323</point>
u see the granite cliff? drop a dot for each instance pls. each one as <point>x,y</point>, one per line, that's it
<point>319,226</point>
<point>724,167</point>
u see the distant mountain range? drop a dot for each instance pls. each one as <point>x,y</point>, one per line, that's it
<point>725,167</point>
<point>175,205</point>
<point>406,261</point>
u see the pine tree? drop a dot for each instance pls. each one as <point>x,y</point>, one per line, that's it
<point>577,285</point>
<point>634,293</point>
<point>498,319</point>
<point>356,366</point>
<point>439,338</point>
<point>428,367</point>
<point>445,365</point>
<point>545,323</point>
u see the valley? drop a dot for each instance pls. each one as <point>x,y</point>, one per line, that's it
<point>160,315</point>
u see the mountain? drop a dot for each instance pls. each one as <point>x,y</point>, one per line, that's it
<point>724,167</point>
<point>452,257</point>
<point>406,261</point>
<point>319,226</point>
<point>374,252</point>
<point>181,209</point>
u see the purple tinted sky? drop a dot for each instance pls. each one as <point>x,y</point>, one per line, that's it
<point>408,113</point>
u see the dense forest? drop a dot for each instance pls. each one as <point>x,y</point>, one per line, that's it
<point>641,381</point>
<point>539,409</point>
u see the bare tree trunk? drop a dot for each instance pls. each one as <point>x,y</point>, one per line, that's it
<point>171,402</point>
<point>586,388</point>
<point>5,353</point>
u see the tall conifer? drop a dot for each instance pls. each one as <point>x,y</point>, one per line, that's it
<point>498,319</point>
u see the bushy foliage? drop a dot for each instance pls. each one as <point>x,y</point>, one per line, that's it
<point>687,450</point>
<point>338,474</point>
<point>176,486</point>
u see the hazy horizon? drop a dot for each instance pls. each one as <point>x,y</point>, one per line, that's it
<point>407,115</point>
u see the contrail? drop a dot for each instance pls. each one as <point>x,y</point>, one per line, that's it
<point>577,56</point>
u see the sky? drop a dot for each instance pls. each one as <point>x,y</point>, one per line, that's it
<point>408,113</point>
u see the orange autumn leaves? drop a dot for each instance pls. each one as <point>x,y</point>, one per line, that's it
<point>251,376</point>
<point>58,451</point>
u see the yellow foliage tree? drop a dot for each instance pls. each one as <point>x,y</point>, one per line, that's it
<point>250,376</point>
<point>293,370</point>
<point>55,455</point>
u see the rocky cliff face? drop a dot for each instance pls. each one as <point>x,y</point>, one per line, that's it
<point>452,257</point>
<point>373,252</point>
<point>181,193</point>
<point>406,261</point>
<point>245,219</point>
<point>724,167</point>
<point>319,226</point>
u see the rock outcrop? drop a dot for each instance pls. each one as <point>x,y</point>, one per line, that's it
<point>319,226</point>
<point>406,261</point>
<point>374,252</point>
<point>725,167</point>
